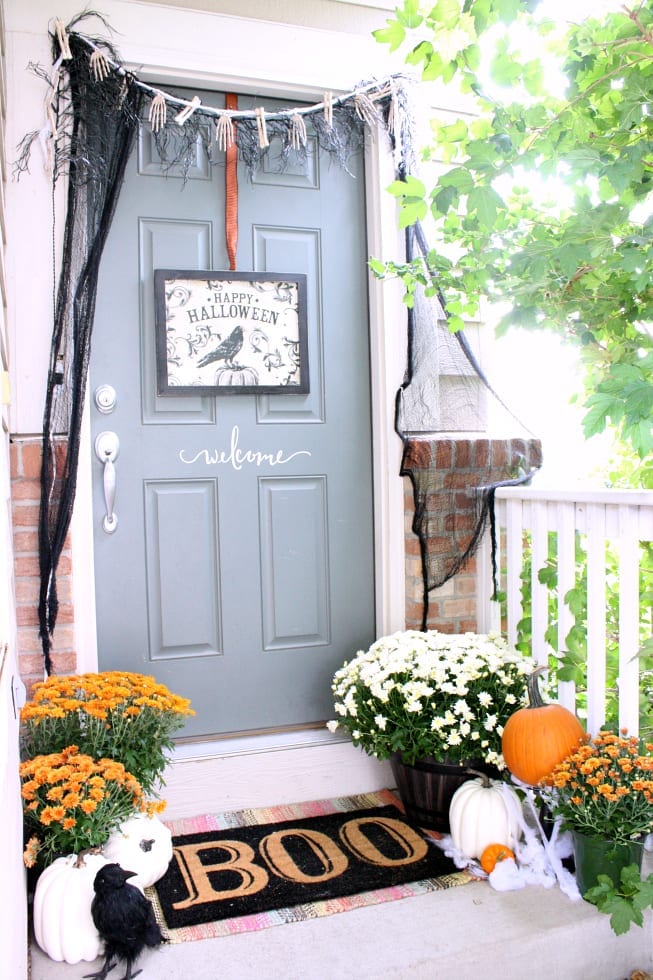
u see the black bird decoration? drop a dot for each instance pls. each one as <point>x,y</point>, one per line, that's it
<point>225,351</point>
<point>124,918</point>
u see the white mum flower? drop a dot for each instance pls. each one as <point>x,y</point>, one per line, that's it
<point>381,722</point>
<point>462,708</point>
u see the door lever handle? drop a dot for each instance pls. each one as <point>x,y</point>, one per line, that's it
<point>106,450</point>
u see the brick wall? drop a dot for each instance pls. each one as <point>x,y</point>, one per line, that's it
<point>26,492</point>
<point>449,470</point>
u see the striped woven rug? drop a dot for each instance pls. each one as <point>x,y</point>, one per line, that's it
<point>296,913</point>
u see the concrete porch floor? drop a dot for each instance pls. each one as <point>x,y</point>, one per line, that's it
<point>466,932</point>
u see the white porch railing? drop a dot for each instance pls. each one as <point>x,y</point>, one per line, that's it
<point>530,520</point>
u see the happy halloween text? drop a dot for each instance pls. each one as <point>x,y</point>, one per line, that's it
<point>231,305</point>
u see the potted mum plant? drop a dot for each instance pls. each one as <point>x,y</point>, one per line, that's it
<point>435,704</point>
<point>604,794</point>
<point>71,802</point>
<point>112,714</point>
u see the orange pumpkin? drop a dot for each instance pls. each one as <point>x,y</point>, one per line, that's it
<point>493,854</point>
<point>538,737</point>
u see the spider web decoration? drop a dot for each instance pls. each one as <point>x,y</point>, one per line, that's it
<point>433,351</point>
<point>94,108</point>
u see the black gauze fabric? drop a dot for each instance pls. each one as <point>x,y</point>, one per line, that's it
<point>98,121</point>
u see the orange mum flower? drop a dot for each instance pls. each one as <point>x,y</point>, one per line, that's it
<point>604,789</point>
<point>115,714</point>
<point>74,801</point>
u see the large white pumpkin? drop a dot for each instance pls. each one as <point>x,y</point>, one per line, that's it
<point>484,811</point>
<point>63,924</point>
<point>143,845</point>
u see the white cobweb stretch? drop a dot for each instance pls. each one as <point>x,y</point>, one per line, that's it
<point>538,859</point>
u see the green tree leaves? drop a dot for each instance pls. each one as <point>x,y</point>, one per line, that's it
<point>548,201</point>
<point>410,194</point>
<point>408,18</point>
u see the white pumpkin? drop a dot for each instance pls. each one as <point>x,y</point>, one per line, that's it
<point>143,845</point>
<point>484,811</point>
<point>63,924</point>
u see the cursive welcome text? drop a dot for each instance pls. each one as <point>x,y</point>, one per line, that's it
<point>237,457</point>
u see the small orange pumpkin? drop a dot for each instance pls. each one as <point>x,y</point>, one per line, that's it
<point>538,737</point>
<point>493,855</point>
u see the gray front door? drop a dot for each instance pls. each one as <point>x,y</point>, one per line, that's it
<point>240,580</point>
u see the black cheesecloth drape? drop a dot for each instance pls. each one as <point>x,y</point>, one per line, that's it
<point>99,121</point>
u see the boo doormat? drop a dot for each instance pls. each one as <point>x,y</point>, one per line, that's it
<point>241,871</point>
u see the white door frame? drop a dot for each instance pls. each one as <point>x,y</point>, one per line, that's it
<point>387,319</point>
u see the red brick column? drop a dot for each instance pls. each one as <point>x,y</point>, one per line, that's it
<point>26,495</point>
<point>448,472</point>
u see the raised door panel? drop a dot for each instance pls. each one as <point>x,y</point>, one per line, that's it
<point>168,245</point>
<point>183,577</point>
<point>294,562</point>
<point>285,249</point>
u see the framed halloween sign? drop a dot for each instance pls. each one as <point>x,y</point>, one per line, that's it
<point>221,333</point>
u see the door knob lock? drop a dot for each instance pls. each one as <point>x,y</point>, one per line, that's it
<point>105,399</point>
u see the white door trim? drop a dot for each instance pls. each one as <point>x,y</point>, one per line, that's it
<point>387,353</point>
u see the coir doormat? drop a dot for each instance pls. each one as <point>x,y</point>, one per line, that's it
<point>236,872</point>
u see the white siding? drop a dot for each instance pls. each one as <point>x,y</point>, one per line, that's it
<point>13,922</point>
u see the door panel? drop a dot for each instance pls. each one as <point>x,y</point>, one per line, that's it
<point>160,243</point>
<point>294,562</point>
<point>183,581</point>
<point>300,250</point>
<point>240,582</point>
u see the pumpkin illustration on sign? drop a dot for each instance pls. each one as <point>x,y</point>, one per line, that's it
<point>538,737</point>
<point>236,376</point>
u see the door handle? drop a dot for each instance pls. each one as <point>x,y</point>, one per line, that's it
<point>106,450</point>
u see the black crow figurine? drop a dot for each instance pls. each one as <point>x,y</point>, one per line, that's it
<point>124,918</point>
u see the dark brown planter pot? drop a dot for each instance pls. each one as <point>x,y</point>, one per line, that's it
<point>426,788</point>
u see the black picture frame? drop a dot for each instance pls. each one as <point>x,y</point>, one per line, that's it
<point>230,333</point>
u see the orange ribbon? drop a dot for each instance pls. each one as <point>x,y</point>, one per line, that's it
<point>231,190</point>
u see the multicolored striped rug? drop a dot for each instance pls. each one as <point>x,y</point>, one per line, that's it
<point>300,912</point>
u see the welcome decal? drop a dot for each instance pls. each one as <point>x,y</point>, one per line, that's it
<point>237,457</point>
